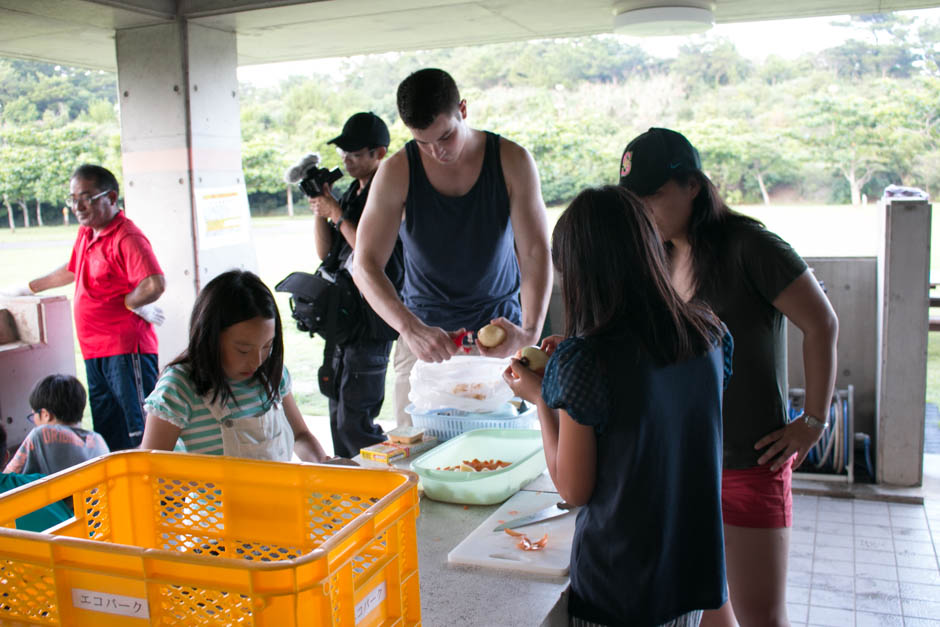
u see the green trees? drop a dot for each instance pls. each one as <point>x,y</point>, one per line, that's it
<point>826,127</point>
<point>844,133</point>
<point>51,119</point>
<point>36,164</point>
<point>710,63</point>
<point>918,135</point>
<point>830,127</point>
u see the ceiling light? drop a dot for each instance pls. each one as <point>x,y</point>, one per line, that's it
<point>657,21</point>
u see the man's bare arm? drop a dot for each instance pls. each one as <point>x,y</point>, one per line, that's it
<point>146,292</point>
<point>57,278</point>
<point>376,236</point>
<point>530,227</point>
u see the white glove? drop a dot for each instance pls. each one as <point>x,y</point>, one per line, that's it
<point>12,291</point>
<point>151,313</point>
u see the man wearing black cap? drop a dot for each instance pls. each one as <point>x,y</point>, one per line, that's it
<point>359,367</point>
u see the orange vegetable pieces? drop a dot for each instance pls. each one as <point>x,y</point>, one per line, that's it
<point>525,543</point>
<point>528,545</point>
<point>476,465</point>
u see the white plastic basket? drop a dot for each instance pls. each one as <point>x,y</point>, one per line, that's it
<point>448,422</point>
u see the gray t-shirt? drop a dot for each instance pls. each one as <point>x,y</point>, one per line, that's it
<point>51,448</point>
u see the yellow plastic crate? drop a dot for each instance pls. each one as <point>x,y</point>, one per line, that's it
<point>176,539</point>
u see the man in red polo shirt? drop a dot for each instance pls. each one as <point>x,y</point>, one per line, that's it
<point>117,279</point>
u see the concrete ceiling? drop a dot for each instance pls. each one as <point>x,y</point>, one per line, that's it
<point>81,32</point>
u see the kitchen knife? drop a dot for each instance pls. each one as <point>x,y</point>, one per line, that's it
<point>553,511</point>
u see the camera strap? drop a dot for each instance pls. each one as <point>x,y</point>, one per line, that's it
<point>326,376</point>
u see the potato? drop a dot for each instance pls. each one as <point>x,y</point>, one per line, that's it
<point>491,335</point>
<point>534,359</point>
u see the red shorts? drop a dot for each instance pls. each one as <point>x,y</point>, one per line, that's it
<point>757,497</point>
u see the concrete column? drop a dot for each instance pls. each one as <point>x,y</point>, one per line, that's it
<point>902,384</point>
<point>182,173</point>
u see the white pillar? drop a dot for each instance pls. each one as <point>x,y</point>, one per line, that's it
<point>182,173</point>
<point>902,370</point>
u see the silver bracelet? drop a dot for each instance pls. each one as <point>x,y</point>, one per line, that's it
<point>812,421</point>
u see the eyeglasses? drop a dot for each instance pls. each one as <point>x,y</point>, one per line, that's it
<point>83,199</point>
<point>30,417</point>
<point>359,154</point>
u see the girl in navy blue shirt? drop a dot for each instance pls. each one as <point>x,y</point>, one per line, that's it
<point>630,409</point>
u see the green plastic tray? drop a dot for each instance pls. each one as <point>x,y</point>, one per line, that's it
<point>522,447</point>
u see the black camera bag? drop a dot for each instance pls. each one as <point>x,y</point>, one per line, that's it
<point>315,296</point>
<point>326,303</point>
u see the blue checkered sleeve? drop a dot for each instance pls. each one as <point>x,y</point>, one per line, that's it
<point>727,345</point>
<point>574,382</point>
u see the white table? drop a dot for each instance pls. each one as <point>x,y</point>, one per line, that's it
<point>458,596</point>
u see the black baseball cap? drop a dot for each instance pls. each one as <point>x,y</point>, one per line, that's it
<point>362,130</point>
<point>654,157</point>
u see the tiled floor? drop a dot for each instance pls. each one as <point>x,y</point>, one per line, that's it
<point>864,563</point>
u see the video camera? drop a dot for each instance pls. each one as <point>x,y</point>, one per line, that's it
<point>310,176</point>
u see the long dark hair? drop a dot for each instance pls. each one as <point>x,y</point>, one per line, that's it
<point>708,224</point>
<point>614,278</point>
<point>230,298</point>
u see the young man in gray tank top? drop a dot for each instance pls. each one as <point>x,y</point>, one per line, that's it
<point>468,207</point>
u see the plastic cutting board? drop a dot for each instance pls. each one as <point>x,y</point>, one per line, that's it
<point>496,549</point>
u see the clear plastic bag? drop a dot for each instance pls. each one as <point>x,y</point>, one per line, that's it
<point>470,383</point>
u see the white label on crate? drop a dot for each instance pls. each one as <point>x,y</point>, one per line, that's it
<point>110,603</point>
<point>372,601</point>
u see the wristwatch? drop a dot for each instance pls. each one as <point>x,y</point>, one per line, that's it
<point>813,421</point>
<point>338,223</point>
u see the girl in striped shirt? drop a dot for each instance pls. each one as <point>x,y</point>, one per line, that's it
<point>229,393</point>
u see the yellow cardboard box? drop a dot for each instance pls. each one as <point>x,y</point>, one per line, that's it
<point>388,451</point>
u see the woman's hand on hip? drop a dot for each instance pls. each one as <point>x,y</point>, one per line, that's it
<point>797,438</point>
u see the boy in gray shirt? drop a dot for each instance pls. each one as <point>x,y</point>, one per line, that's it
<point>57,442</point>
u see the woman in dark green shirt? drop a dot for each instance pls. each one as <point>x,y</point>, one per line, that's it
<point>753,281</point>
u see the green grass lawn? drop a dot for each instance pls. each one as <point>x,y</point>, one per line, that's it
<point>933,368</point>
<point>285,244</point>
